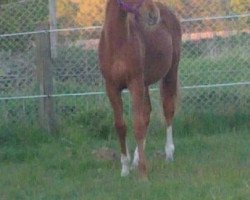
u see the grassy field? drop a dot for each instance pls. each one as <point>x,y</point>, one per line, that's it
<point>212,161</point>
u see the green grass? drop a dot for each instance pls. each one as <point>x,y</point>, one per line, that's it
<point>211,136</point>
<point>211,161</point>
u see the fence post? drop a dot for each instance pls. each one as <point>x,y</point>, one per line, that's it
<point>45,81</point>
<point>53,26</point>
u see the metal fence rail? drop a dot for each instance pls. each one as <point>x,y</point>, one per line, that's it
<point>214,69</point>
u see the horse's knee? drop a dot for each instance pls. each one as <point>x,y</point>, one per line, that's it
<point>120,128</point>
<point>169,112</point>
<point>140,131</point>
<point>169,117</point>
<point>169,108</point>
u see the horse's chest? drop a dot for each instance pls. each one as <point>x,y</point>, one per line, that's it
<point>117,72</point>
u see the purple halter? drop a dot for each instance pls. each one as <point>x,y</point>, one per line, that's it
<point>130,8</point>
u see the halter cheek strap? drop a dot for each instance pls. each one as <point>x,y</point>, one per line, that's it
<point>130,8</point>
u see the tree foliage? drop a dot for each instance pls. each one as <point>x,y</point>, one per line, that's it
<point>240,6</point>
<point>91,12</point>
<point>81,12</point>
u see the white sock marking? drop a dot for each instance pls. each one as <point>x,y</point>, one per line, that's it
<point>135,162</point>
<point>136,159</point>
<point>169,147</point>
<point>125,161</point>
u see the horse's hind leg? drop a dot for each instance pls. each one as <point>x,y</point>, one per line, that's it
<point>147,110</point>
<point>116,101</point>
<point>169,94</point>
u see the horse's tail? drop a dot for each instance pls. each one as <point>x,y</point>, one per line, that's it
<point>176,37</point>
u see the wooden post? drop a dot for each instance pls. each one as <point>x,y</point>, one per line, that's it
<point>53,26</point>
<point>44,76</point>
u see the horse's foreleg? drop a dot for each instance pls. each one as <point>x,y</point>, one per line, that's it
<point>137,92</point>
<point>169,95</point>
<point>147,111</point>
<point>116,101</point>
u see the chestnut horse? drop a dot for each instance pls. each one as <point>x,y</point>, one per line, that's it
<point>140,44</point>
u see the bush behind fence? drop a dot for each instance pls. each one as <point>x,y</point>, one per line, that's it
<point>214,69</point>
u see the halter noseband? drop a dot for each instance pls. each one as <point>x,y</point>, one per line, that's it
<point>130,8</point>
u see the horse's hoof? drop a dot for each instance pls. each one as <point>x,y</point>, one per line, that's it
<point>124,172</point>
<point>170,153</point>
<point>134,166</point>
<point>169,158</point>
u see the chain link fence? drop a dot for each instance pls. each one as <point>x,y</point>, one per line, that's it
<point>214,69</point>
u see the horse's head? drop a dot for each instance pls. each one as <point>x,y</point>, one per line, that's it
<point>144,10</point>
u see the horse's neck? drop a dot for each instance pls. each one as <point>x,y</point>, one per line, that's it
<point>116,24</point>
